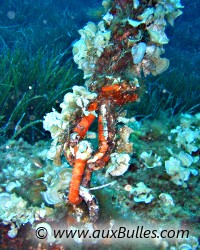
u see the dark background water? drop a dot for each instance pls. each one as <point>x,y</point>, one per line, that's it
<point>64,18</point>
<point>35,58</point>
<point>21,20</point>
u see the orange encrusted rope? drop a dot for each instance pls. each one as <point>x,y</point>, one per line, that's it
<point>83,126</point>
<point>103,144</point>
<point>82,152</point>
<point>111,88</point>
<point>76,180</point>
<point>92,106</point>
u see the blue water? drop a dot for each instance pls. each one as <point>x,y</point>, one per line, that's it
<point>49,29</point>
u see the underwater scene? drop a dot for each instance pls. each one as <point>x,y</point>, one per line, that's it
<point>99,124</point>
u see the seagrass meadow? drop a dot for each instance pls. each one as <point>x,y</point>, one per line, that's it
<point>100,124</point>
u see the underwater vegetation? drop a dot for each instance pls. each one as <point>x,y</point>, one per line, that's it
<point>22,41</point>
<point>30,86</point>
<point>35,62</point>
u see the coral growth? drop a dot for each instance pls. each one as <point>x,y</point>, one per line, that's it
<point>156,200</point>
<point>148,163</point>
<point>128,42</point>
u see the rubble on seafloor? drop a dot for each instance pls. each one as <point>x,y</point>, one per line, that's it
<point>158,187</point>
